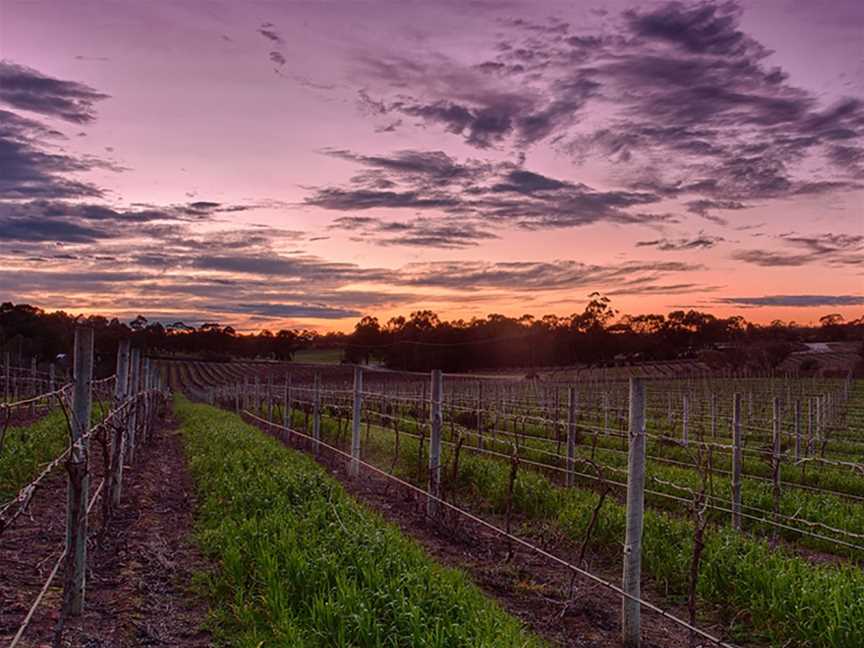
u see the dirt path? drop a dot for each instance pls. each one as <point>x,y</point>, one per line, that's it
<point>526,585</point>
<point>138,582</point>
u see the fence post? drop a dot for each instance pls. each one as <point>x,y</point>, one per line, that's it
<point>286,409</point>
<point>797,429</point>
<point>256,396</point>
<point>144,404</point>
<point>436,423</point>
<point>480,414</point>
<point>736,462</point>
<point>316,413</point>
<point>775,462</point>
<point>7,377</point>
<point>52,377</point>
<point>685,419</point>
<point>571,435</point>
<point>270,398</point>
<point>34,387</point>
<point>79,479</point>
<point>132,419</point>
<point>354,466</point>
<point>115,485</point>
<point>630,608</point>
<point>714,414</point>
<point>606,413</point>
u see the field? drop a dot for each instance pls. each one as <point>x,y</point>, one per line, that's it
<point>318,356</point>
<point>339,505</point>
<point>794,542</point>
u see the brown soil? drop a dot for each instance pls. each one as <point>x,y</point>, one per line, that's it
<point>138,591</point>
<point>527,585</point>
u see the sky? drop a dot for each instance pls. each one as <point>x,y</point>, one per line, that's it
<point>302,164</point>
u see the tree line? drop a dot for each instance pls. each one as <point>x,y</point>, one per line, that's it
<point>422,341</point>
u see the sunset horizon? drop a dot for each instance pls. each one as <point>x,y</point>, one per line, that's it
<point>305,165</point>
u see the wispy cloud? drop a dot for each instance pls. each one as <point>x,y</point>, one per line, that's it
<point>794,300</point>
<point>26,89</point>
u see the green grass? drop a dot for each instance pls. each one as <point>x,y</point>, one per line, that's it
<point>773,595</point>
<point>26,450</point>
<point>300,564</point>
<point>319,356</point>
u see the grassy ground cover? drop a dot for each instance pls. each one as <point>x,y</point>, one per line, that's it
<point>27,448</point>
<point>300,564</point>
<point>765,592</point>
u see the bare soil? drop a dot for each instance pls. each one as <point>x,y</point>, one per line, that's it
<point>140,566</point>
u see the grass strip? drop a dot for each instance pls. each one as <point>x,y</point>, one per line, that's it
<point>302,564</point>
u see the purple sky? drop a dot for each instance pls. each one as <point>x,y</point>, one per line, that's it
<point>301,164</point>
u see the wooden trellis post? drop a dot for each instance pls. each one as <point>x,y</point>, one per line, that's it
<point>572,433</point>
<point>115,484</point>
<point>316,413</point>
<point>133,418</point>
<point>7,377</point>
<point>736,462</point>
<point>436,423</point>
<point>357,413</point>
<point>775,462</point>
<point>631,581</point>
<point>685,419</point>
<point>79,480</point>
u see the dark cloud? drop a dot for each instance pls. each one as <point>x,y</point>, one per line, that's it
<point>283,310</point>
<point>485,114</point>
<point>689,106</point>
<point>26,89</point>
<point>700,29</point>
<point>794,300</point>
<point>827,243</point>
<point>29,170</point>
<point>704,206</point>
<point>700,242</point>
<point>771,259</point>
<point>661,289</point>
<point>490,194</point>
<point>68,222</point>
<point>278,58</point>
<point>353,199</point>
<point>527,276</point>
<point>836,250</point>
<point>422,232</point>
<point>268,31</point>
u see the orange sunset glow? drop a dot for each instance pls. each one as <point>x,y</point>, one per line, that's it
<point>303,165</point>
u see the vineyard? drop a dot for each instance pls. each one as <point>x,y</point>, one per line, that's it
<point>345,505</point>
<point>753,487</point>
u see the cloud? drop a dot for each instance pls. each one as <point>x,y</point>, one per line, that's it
<point>32,171</point>
<point>283,310</point>
<point>26,89</point>
<point>278,58</point>
<point>802,301</point>
<point>700,242</point>
<point>268,31</point>
<point>446,233</point>
<point>468,102</point>
<point>836,250</point>
<point>489,194</point>
<point>678,97</point>
<point>699,29</point>
<point>530,275</point>
<point>58,221</point>
<point>703,207</point>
